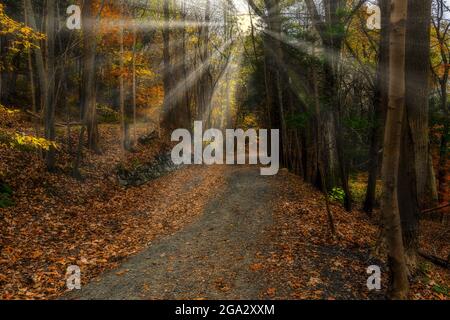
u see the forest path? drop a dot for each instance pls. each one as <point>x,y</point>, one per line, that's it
<point>210,258</point>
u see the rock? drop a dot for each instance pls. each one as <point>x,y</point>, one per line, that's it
<point>148,138</point>
<point>141,174</point>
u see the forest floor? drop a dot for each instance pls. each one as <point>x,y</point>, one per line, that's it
<point>217,232</point>
<point>257,238</point>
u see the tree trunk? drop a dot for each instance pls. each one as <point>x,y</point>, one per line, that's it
<point>413,173</point>
<point>379,106</point>
<point>443,149</point>
<point>320,153</point>
<point>417,92</point>
<point>123,115</point>
<point>432,182</point>
<point>49,111</point>
<point>407,196</point>
<point>167,76</point>
<point>392,143</point>
<point>88,90</point>
<point>186,102</point>
<point>31,75</point>
<point>134,88</point>
<point>332,41</point>
<point>38,55</point>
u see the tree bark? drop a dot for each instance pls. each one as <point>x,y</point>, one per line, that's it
<point>168,107</point>
<point>392,143</point>
<point>88,87</point>
<point>134,80</point>
<point>38,55</point>
<point>31,75</point>
<point>443,149</point>
<point>417,92</point>
<point>379,108</point>
<point>123,115</point>
<point>332,41</point>
<point>49,111</point>
<point>413,193</point>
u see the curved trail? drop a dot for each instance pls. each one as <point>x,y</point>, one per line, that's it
<point>208,259</point>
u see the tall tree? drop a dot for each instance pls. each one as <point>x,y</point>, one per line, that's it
<point>38,53</point>
<point>167,75</point>
<point>391,156</point>
<point>50,97</point>
<point>379,106</point>
<point>414,172</point>
<point>88,103</point>
<point>176,110</point>
<point>205,83</point>
<point>331,30</point>
<point>122,94</point>
<point>441,27</point>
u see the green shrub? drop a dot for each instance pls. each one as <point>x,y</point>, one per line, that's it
<point>441,289</point>
<point>5,196</point>
<point>337,194</point>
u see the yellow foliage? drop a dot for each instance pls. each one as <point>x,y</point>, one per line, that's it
<point>32,142</point>
<point>23,36</point>
<point>24,142</point>
<point>249,121</point>
<point>3,109</point>
<point>21,141</point>
<point>361,41</point>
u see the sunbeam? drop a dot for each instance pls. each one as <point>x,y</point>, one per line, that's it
<point>194,75</point>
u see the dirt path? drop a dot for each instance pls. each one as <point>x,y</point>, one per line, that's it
<point>210,258</point>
